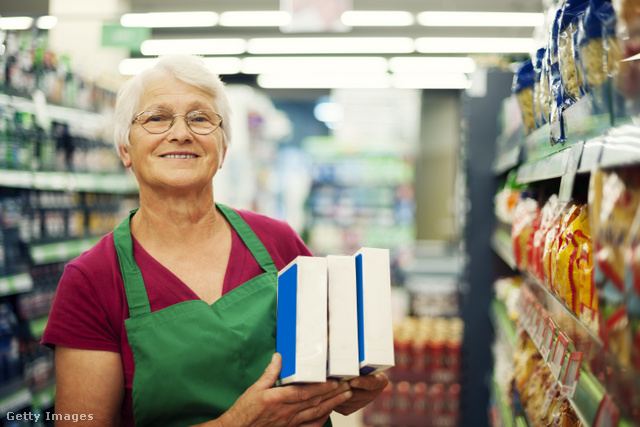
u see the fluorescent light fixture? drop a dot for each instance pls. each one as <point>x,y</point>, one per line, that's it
<point>421,64</point>
<point>264,18</point>
<point>222,65</point>
<point>329,45</point>
<point>46,22</point>
<point>480,19</point>
<point>193,46</point>
<point>16,23</point>
<point>313,64</point>
<point>324,81</point>
<point>169,19</point>
<point>474,45</point>
<point>430,81</point>
<point>376,18</point>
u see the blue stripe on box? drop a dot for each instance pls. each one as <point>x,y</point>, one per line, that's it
<point>286,320</point>
<point>360,309</point>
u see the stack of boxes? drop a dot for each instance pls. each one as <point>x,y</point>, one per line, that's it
<point>334,317</point>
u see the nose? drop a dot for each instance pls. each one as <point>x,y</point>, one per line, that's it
<point>180,130</point>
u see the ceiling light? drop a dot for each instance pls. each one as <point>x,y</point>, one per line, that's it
<point>430,81</point>
<point>193,46</point>
<point>324,81</point>
<point>222,65</point>
<point>375,18</point>
<point>480,19</point>
<point>315,64</point>
<point>169,19</point>
<point>311,45</point>
<point>264,18</point>
<point>16,23</point>
<point>46,22</point>
<point>420,64</point>
<point>474,45</point>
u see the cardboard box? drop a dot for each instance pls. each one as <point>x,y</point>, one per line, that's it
<point>375,329</point>
<point>301,334</point>
<point>342,360</point>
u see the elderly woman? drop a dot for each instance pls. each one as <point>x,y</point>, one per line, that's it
<point>170,319</point>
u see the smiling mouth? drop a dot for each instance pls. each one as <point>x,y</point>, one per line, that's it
<point>179,156</point>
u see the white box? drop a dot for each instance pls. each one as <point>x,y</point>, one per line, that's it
<point>375,329</point>
<point>342,361</point>
<point>301,329</point>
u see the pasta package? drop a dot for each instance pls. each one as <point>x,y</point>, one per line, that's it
<point>571,14</point>
<point>538,100</point>
<point>521,229</point>
<point>633,290</point>
<point>619,200</point>
<point>544,93</point>
<point>600,51</point>
<point>554,76</point>
<point>523,89</point>
<point>628,30</point>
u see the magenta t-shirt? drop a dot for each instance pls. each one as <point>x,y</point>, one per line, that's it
<point>90,304</point>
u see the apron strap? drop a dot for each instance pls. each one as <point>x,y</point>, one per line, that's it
<point>249,238</point>
<point>134,288</point>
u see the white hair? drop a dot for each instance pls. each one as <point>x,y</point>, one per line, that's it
<point>189,69</point>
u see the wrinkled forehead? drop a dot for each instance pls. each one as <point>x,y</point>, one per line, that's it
<point>175,95</point>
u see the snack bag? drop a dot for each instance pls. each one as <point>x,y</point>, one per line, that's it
<point>563,250</point>
<point>619,200</point>
<point>521,229</point>
<point>633,289</point>
<point>550,245</point>
<point>547,215</point>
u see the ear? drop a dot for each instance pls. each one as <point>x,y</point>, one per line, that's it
<point>125,156</point>
<point>223,153</point>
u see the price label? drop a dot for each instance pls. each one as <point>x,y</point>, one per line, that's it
<point>608,413</point>
<point>542,324</point>
<point>547,339</point>
<point>571,374</point>
<point>558,355</point>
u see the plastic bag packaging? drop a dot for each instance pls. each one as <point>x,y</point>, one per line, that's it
<point>545,92</point>
<point>538,100</point>
<point>561,253</point>
<point>632,289</point>
<point>522,87</point>
<point>550,244</point>
<point>616,196</point>
<point>556,95</point>
<point>628,30</point>
<point>600,52</point>
<point>547,216</point>
<point>521,229</point>
<point>571,14</point>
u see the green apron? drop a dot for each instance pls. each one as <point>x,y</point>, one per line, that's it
<point>192,359</point>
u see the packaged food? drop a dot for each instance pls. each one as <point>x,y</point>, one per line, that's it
<point>632,263</point>
<point>556,95</point>
<point>539,109</point>
<point>521,228</point>
<point>561,261</point>
<point>545,91</point>
<point>628,30</point>
<point>571,14</point>
<point>523,89</point>
<point>598,44</point>
<point>619,197</point>
<point>550,244</point>
<point>547,215</point>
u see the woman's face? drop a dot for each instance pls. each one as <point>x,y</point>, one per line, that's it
<point>178,159</point>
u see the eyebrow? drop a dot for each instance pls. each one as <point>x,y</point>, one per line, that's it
<point>190,107</point>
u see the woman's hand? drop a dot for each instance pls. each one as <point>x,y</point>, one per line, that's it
<point>365,389</point>
<point>293,405</point>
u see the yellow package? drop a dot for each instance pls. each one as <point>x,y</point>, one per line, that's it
<point>560,252</point>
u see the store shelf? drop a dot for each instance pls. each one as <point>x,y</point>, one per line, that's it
<point>114,183</point>
<point>501,321</point>
<point>14,396</point>
<point>503,246</point>
<point>15,284</point>
<point>37,326</point>
<point>60,251</point>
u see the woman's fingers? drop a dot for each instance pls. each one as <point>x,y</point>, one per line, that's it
<point>270,374</point>
<point>316,415</point>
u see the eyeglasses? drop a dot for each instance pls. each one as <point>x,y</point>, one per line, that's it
<point>202,122</point>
